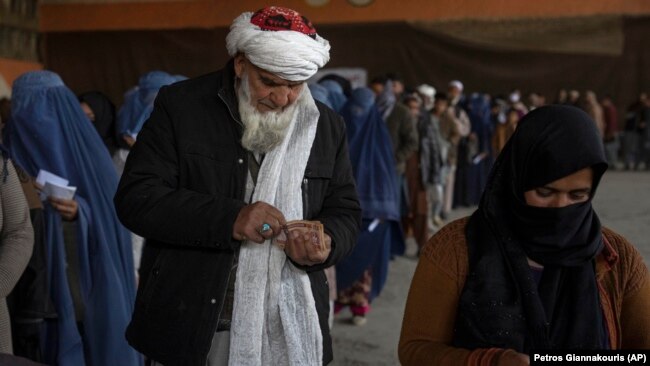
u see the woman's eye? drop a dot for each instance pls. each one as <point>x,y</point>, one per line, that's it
<point>579,196</point>
<point>543,192</point>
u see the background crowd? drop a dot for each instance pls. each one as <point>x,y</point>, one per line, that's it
<point>417,152</point>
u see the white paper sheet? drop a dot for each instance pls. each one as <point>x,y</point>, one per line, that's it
<point>54,186</point>
<point>56,191</point>
<point>373,225</point>
<point>45,176</point>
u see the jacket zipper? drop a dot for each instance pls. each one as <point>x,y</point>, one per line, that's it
<point>232,115</point>
<point>230,110</point>
<point>305,197</point>
<point>241,194</point>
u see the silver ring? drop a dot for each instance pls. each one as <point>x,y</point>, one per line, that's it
<point>265,227</point>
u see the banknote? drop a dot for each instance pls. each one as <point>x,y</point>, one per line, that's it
<point>313,228</point>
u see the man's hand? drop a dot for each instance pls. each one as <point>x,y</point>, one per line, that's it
<point>67,208</point>
<point>303,251</point>
<point>251,220</point>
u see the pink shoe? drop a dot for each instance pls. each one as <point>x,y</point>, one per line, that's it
<point>360,310</point>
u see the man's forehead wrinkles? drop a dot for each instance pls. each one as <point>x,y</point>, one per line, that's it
<point>264,74</point>
<point>276,79</point>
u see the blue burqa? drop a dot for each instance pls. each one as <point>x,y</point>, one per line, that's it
<point>319,93</point>
<point>336,96</point>
<point>477,174</point>
<point>138,101</point>
<point>49,131</point>
<point>371,155</point>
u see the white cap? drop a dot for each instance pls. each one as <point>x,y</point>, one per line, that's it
<point>427,90</point>
<point>456,84</point>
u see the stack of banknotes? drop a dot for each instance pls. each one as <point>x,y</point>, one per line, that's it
<point>313,228</point>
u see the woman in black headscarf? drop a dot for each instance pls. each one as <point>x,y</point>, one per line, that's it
<point>101,112</point>
<point>532,268</point>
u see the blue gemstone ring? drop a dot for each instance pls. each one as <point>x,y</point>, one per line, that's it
<point>265,227</point>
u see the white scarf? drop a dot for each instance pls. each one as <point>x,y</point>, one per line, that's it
<point>274,315</point>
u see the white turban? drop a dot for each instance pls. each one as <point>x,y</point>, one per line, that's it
<point>427,90</point>
<point>456,84</point>
<point>290,54</point>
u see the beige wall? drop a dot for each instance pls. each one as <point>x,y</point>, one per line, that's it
<point>11,69</point>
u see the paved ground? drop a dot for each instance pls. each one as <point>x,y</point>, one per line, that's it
<point>622,203</point>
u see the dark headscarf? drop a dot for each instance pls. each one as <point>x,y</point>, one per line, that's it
<point>104,122</point>
<point>501,304</point>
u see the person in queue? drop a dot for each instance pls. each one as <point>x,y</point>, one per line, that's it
<point>532,268</point>
<point>223,164</point>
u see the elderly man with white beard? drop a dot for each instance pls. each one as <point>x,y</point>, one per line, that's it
<point>221,167</point>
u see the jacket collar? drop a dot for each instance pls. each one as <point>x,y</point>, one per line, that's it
<point>227,91</point>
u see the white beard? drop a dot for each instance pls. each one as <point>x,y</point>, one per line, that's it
<point>263,130</point>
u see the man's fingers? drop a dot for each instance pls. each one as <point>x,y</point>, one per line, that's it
<point>328,241</point>
<point>254,236</point>
<point>275,224</point>
<point>274,218</point>
<point>257,239</point>
<point>268,232</point>
<point>295,247</point>
<point>262,213</point>
<point>276,214</point>
<point>315,253</point>
<point>302,250</point>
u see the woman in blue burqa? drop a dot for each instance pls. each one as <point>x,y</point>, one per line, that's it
<point>336,96</point>
<point>480,140</point>
<point>136,109</point>
<point>361,276</point>
<point>89,254</point>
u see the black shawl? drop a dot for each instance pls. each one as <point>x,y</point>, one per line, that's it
<point>104,122</point>
<point>501,304</point>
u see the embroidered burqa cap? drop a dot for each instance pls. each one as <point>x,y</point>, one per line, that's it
<point>279,40</point>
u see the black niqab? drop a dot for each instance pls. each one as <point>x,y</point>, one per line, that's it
<point>501,305</point>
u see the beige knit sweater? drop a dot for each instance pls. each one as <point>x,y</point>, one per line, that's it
<point>16,243</point>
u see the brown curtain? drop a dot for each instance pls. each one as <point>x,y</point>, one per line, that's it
<point>112,61</point>
<point>597,35</point>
